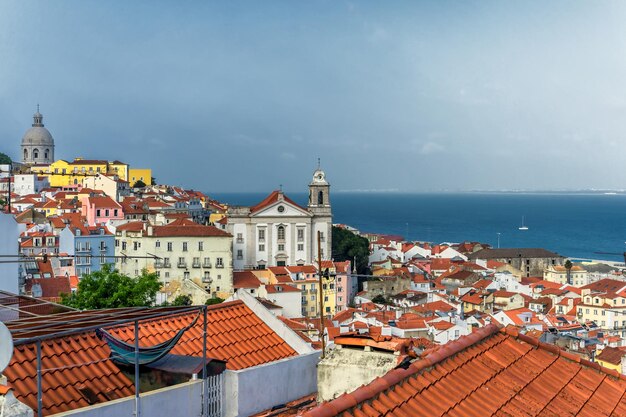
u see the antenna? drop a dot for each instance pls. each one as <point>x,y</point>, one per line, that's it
<point>6,347</point>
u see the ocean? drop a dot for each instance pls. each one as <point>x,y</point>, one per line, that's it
<point>573,225</point>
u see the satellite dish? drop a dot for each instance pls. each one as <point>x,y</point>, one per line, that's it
<point>6,347</point>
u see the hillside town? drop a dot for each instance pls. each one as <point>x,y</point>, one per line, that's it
<point>275,320</point>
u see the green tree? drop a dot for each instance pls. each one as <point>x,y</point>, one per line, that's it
<point>214,300</point>
<point>568,266</point>
<point>182,300</point>
<point>139,184</point>
<point>379,299</point>
<point>108,288</point>
<point>4,159</point>
<point>347,246</point>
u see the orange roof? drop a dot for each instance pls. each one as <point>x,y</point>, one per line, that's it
<point>194,230</point>
<point>131,227</point>
<point>245,279</point>
<point>490,372</point>
<point>271,199</point>
<point>234,334</point>
<point>273,289</point>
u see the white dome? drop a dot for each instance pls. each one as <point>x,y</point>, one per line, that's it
<point>38,135</point>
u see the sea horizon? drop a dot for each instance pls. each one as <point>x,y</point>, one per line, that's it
<point>588,225</point>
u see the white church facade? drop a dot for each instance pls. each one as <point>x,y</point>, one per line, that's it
<point>277,231</point>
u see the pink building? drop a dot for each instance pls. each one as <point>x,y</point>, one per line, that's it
<point>101,209</point>
<point>347,284</point>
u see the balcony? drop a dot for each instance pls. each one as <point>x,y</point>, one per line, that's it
<point>207,265</point>
<point>196,264</point>
<point>182,264</point>
<point>158,264</point>
<point>313,291</point>
<point>103,247</point>
<point>207,279</point>
<point>167,264</point>
<point>83,249</point>
<point>219,265</point>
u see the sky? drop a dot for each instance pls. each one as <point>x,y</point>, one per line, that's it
<point>239,96</point>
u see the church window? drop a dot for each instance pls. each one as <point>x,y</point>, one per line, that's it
<point>281,247</point>
<point>300,246</point>
<point>25,154</point>
<point>281,232</point>
<point>46,152</point>
<point>320,197</point>
<point>261,235</point>
<point>300,235</point>
<point>35,153</point>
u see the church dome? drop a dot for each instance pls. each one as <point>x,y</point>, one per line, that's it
<point>38,134</point>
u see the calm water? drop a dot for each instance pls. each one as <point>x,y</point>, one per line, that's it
<point>575,225</point>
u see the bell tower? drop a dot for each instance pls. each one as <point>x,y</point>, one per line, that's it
<point>319,193</point>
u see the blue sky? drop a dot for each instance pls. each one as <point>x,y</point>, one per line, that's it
<point>243,96</point>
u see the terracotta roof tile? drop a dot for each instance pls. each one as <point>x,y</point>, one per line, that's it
<point>488,373</point>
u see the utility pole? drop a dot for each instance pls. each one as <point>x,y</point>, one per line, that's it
<point>319,274</point>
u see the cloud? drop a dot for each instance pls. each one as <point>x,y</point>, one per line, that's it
<point>429,148</point>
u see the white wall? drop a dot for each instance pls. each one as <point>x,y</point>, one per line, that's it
<point>9,234</point>
<point>179,400</point>
<point>259,388</point>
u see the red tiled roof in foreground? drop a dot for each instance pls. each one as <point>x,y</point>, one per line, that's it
<point>490,372</point>
<point>234,334</point>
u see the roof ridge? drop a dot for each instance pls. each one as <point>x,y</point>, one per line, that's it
<point>369,391</point>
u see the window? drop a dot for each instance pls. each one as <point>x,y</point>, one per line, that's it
<point>261,248</point>
<point>115,212</point>
<point>300,235</point>
<point>320,197</point>
<point>157,244</point>
<point>239,254</point>
<point>261,235</point>
<point>186,275</point>
<point>281,233</point>
<point>184,246</point>
<point>219,263</point>
<point>281,246</point>
<point>322,236</point>
<point>169,246</point>
<point>300,246</point>
<point>106,212</point>
<point>135,245</point>
<point>200,246</point>
<point>36,153</point>
<point>98,213</point>
<point>239,237</point>
<point>103,260</point>
<point>123,245</point>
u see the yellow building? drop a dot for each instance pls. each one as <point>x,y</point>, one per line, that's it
<point>62,173</point>
<point>558,273</point>
<point>140,174</point>
<point>610,357</point>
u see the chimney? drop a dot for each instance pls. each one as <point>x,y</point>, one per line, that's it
<point>150,230</point>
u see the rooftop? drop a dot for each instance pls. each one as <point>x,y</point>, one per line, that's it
<point>490,372</point>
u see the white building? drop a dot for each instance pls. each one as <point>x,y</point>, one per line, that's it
<point>279,232</point>
<point>186,251</point>
<point>24,184</point>
<point>9,234</point>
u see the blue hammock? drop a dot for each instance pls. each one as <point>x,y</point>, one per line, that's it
<point>124,353</point>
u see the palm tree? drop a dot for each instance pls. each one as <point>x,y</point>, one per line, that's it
<point>568,266</point>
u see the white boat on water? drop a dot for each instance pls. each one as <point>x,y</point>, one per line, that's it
<point>523,227</point>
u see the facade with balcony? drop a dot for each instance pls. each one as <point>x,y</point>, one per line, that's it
<point>183,250</point>
<point>91,247</point>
